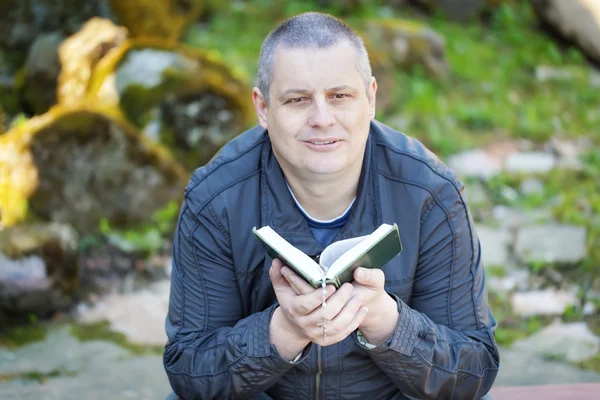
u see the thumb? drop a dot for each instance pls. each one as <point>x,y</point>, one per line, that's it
<point>277,279</point>
<point>374,278</point>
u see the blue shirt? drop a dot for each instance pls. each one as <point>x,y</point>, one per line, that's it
<point>323,231</point>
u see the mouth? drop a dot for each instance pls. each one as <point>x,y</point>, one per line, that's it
<point>319,144</point>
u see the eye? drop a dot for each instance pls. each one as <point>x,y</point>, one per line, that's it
<point>295,100</point>
<point>340,96</point>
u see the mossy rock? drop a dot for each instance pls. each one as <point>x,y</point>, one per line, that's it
<point>185,98</point>
<point>39,271</point>
<point>24,20</point>
<point>166,19</point>
<point>407,44</point>
<point>79,165</point>
<point>42,70</point>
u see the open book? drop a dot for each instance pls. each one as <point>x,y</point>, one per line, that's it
<point>339,260</point>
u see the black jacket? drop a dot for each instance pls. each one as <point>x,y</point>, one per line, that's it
<point>222,299</point>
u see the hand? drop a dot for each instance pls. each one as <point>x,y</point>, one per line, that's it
<point>301,306</point>
<point>381,321</point>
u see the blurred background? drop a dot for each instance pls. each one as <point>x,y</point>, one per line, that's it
<point>108,106</point>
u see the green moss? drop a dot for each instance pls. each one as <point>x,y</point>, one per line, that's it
<point>101,331</point>
<point>40,377</point>
<point>22,335</point>
<point>495,270</point>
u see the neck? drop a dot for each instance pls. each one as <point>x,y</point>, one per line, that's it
<point>325,197</point>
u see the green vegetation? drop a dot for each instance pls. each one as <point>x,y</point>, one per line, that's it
<point>101,331</point>
<point>510,326</point>
<point>41,377</point>
<point>21,335</point>
<point>145,238</point>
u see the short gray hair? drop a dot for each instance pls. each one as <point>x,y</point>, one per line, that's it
<point>311,30</point>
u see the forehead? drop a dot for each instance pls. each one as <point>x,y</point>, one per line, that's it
<point>310,68</point>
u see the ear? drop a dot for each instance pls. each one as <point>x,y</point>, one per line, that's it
<point>371,96</point>
<point>260,105</point>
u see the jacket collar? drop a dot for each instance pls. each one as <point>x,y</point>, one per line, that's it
<point>279,211</point>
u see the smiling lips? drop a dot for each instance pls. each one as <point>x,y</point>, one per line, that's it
<point>322,145</point>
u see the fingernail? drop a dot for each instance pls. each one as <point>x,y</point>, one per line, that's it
<point>365,309</point>
<point>360,273</point>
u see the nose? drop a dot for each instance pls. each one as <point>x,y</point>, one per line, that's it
<point>321,116</point>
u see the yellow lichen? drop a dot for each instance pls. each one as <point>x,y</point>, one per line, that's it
<point>165,19</point>
<point>80,53</point>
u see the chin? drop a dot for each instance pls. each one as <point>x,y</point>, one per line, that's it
<point>325,168</point>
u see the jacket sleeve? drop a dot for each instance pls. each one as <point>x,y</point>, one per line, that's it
<point>213,350</point>
<point>443,346</point>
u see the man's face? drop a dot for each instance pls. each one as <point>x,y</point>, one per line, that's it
<point>318,119</point>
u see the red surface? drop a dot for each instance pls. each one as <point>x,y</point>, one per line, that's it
<point>585,391</point>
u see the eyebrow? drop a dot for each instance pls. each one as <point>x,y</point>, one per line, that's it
<point>333,89</point>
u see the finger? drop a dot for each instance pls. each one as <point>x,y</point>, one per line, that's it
<point>335,303</point>
<point>307,304</point>
<point>275,273</point>
<point>339,324</point>
<point>350,327</point>
<point>374,278</point>
<point>297,283</point>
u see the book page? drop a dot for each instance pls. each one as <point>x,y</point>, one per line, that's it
<point>336,249</point>
<point>360,248</point>
<point>290,255</point>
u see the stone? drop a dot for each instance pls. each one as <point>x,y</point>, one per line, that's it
<point>24,20</point>
<point>568,152</point>
<point>576,20</point>
<point>545,73</point>
<point>531,186</point>
<point>515,279</point>
<point>79,55</point>
<point>78,166</point>
<point>595,78</point>
<point>475,163</point>
<point>512,218</point>
<point>73,368</point>
<point>139,315</point>
<point>185,98</point>
<point>407,44</point>
<point>573,342</point>
<point>42,70</point>
<point>39,270</point>
<point>542,302</point>
<point>494,245</point>
<point>551,243</point>
<point>529,162</point>
<point>521,368</point>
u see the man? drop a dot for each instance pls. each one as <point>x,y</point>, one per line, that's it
<point>318,169</point>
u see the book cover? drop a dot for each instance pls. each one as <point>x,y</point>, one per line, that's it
<point>371,252</point>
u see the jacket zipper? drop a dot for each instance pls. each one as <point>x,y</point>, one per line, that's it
<point>319,371</point>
